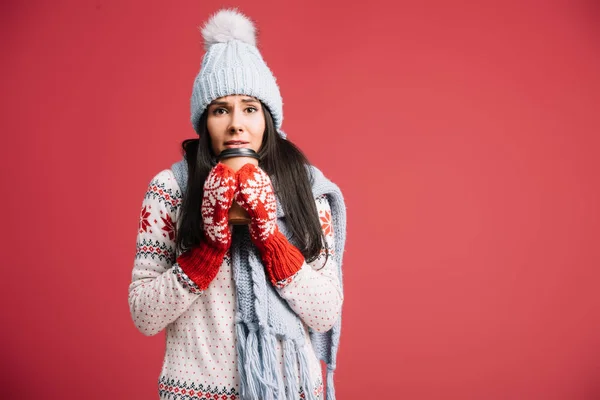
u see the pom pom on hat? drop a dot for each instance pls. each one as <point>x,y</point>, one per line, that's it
<point>226,25</point>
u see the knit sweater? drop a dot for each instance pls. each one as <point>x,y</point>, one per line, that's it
<point>200,358</point>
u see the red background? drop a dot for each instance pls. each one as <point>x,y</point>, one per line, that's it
<point>464,137</point>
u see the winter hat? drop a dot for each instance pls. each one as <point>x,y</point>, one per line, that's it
<point>233,65</point>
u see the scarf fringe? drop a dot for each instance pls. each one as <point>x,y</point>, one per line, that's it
<point>260,374</point>
<point>252,365</point>
<point>270,366</point>
<point>291,369</point>
<point>330,394</point>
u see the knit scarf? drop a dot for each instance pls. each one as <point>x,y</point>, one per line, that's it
<point>263,317</point>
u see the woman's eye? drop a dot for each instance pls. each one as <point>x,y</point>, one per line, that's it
<point>217,111</point>
<point>252,109</point>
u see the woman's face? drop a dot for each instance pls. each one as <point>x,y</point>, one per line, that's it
<point>235,121</point>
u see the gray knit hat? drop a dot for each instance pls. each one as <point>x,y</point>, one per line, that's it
<point>233,65</point>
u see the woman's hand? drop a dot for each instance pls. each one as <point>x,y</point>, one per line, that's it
<point>255,194</point>
<point>202,263</point>
<point>219,192</point>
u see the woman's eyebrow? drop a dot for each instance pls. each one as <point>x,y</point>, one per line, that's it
<point>225,103</point>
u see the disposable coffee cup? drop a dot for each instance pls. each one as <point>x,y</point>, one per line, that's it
<point>235,159</point>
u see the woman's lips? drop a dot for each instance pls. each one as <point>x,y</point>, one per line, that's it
<point>235,144</point>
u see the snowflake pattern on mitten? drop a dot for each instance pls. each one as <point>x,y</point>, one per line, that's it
<point>219,191</point>
<point>256,196</point>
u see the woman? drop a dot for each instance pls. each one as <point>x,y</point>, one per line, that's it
<point>250,310</point>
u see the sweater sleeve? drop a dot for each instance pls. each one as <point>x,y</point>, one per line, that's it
<point>314,292</point>
<point>159,291</point>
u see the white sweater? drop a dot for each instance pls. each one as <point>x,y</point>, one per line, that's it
<point>200,359</point>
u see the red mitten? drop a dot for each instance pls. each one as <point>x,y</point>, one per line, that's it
<point>201,263</point>
<point>255,195</point>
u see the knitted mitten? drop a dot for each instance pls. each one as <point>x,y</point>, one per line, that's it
<point>255,195</point>
<point>201,263</point>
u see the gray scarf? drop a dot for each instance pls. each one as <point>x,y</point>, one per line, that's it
<point>262,316</point>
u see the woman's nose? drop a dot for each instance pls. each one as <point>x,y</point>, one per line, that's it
<point>236,123</point>
<point>235,129</point>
